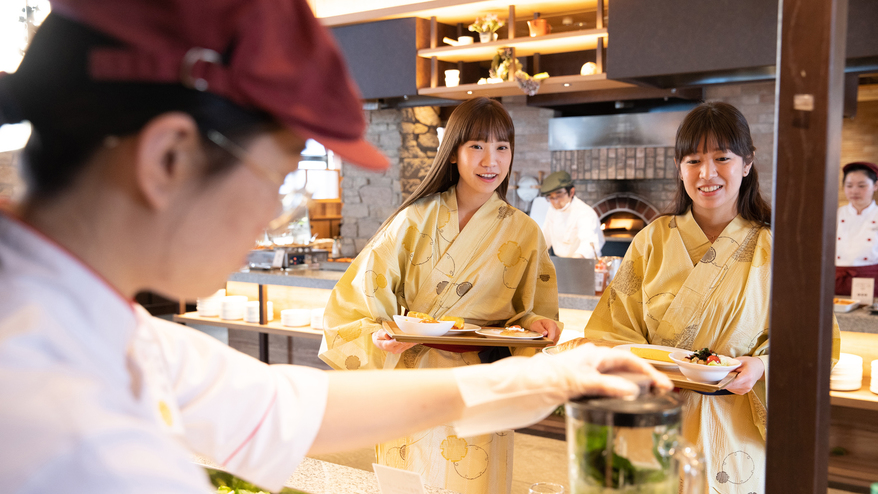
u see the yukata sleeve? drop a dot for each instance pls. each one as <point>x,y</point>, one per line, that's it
<point>361,300</point>
<point>619,313</point>
<point>536,296</point>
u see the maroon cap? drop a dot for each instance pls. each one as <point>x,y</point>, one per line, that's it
<point>279,60</point>
<point>860,164</point>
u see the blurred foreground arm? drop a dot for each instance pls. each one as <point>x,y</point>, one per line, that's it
<point>365,407</point>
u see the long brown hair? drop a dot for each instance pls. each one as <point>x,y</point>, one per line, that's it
<point>478,119</point>
<point>722,124</point>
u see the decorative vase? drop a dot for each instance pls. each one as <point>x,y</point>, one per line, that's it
<point>487,37</point>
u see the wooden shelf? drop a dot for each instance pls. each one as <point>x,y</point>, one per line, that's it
<point>862,398</point>
<point>273,327</point>
<point>449,11</point>
<point>524,47</point>
<point>559,84</point>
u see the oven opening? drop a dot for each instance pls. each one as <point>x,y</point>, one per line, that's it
<point>619,228</point>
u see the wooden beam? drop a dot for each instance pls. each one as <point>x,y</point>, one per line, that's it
<point>599,56</point>
<point>599,13</point>
<point>810,61</point>
<point>627,93</point>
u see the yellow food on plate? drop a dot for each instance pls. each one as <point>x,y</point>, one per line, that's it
<point>843,301</point>
<point>458,321</point>
<point>423,317</point>
<point>652,354</point>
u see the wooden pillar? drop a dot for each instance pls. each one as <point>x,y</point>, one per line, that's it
<point>599,56</point>
<point>600,15</point>
<point>510,22</point>
<point>263,319</point>
<point>810,64</point>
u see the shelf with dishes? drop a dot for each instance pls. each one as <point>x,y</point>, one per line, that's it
<point>272,327</point>
<point>587,39</point>
<point>559,52</point>
<point>559,84</point>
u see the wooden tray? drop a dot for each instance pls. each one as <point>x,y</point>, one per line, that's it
<point>676,377</point>
<point>464,339</point>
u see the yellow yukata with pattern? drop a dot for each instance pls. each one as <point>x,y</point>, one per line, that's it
<point>675,288</point>
<point>496,272</point>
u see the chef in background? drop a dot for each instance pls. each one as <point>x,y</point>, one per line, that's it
<point>856,244</point>
<point>572,228</point>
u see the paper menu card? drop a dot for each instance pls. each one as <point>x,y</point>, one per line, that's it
<point>863,290</point>
<point>397,481</point>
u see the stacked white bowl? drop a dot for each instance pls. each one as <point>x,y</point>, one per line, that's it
<point>210,306</point>
<point>295,317</point>
<point>251,311</point>
<point>873,386</point>
<point>232,307</point>
<point>847,374</point>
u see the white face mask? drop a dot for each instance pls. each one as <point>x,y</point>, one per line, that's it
<point>566,206</point>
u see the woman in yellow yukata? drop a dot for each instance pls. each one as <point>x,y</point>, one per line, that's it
<point>454,248</point>
<point>700,277</point>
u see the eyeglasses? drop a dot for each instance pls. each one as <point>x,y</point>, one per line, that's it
<point>557,195</point>
<point>293,196</point>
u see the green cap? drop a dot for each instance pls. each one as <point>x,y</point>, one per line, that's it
<point>555,181</point>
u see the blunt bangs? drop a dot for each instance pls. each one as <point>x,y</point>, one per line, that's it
<point>492,124</point>
<point>718,126</point>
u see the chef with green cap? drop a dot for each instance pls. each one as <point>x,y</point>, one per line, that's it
<point>571,228</point>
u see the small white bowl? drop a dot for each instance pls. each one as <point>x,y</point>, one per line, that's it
<point>702,373</point>
<point>413,325</point>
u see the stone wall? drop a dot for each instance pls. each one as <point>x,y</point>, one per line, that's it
<point>409,139</point>
<point>11,184</point>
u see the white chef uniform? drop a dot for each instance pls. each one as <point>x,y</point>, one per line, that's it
<point>856,243</point>
<point>98,396</point>
<point>571,231</point>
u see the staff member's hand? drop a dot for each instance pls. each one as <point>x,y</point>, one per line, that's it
<point>383,341</point>
<point>548,328</point>
<point>751,370</point>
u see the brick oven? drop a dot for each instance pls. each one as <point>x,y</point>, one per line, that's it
<point>622,166</point>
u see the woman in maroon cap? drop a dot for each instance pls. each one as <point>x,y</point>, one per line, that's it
<point>162,132</point>
<point>856,244</point>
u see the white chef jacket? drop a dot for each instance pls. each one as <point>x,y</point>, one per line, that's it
<point>572,230</point>
<point>98,396</point>
<point>856,242</point>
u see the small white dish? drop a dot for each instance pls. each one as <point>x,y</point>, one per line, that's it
<point>702,373</point>
<point>511,334</point>
<point>295,318</point>
<point>844,304</point>
<point>467,328</point>
<point>655,363</point>
<point>413,325</point>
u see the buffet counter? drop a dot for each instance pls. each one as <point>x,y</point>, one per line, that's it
<point>320,477</point>
<point>857,321</point>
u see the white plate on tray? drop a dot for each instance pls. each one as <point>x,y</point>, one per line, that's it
<point>498,333</point>
<point>655,363</point>
<point>467,328</point>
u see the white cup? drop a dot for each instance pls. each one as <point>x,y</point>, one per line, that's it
<point>317,318</point>
<point>452,73</point>
<point>251,312</point>
<point>465,40</point>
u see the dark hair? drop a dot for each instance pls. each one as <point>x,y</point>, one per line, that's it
<point>478,119</point>
<point>722,124</point>
<point>72,115</point>
<point>856,167</point>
